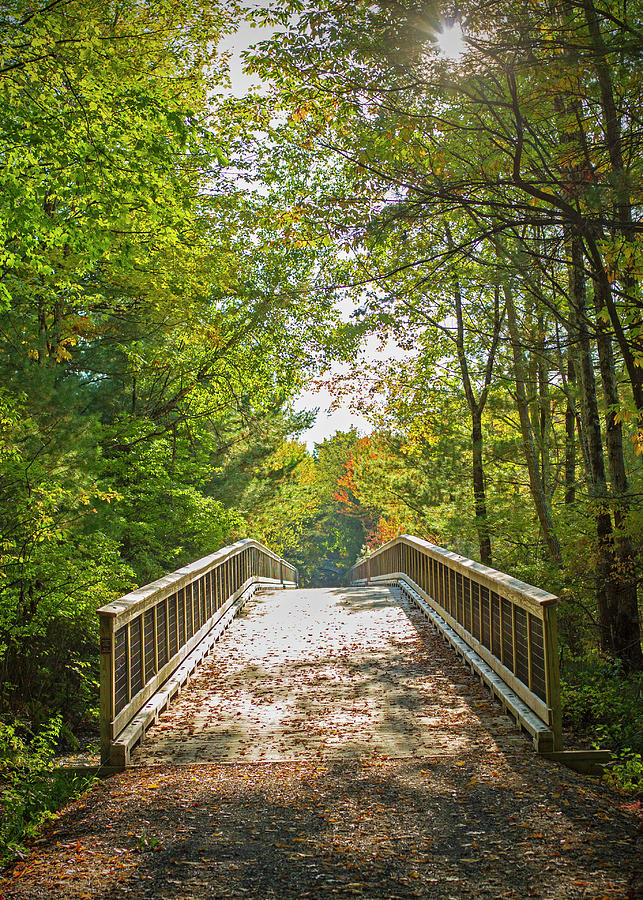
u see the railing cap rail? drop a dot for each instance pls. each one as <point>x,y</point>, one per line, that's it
<point>174,581</point>
<point>514,585</point>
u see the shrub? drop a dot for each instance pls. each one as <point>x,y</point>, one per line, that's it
<point>30,789</point>
<point>602,703</point>
<point>625,771</point>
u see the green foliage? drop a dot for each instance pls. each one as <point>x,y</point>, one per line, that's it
<point>151,326</point>
<point>30,791</point>
<point>602,703</point>
<point>301,514</point>
<point>145,841</point>
<point>163,516</point>
<point>625,772</point>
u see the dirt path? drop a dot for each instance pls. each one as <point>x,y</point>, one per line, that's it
<point>349,755</point>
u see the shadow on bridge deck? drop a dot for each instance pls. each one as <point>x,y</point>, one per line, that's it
<point>325,673</point>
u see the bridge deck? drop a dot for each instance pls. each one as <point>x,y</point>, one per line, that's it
<point>350,672</point>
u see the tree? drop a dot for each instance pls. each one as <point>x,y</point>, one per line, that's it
<point>148,328</point>
<point>532,143</point>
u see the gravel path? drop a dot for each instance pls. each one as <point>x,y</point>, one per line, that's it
<point>333,746</point>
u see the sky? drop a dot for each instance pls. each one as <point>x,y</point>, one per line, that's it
<point>328,420</point>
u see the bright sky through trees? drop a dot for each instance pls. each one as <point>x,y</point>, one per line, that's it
<point>451,42</point>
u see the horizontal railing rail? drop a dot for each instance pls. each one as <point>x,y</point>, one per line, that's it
<point>146,634</point>
<point>509,624</point>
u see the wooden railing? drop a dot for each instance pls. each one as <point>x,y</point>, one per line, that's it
<point>508,625</point>
<point>146,635</point>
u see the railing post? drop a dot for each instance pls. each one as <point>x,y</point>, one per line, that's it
<point>107,685</point>
<point>552,673</point>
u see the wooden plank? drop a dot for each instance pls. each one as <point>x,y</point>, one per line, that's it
<point>502,632</point>
<point>142,631</point>
<point>529,673</point>
<point>184,594</point>
<point>167,628</point>
<point>514,658</point>
<point>480,619</point>
<point>587,762</point>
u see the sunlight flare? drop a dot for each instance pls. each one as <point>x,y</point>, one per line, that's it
<point>451,42</point>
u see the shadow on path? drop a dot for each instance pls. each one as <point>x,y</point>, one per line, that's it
<point>327,673</point>
<point>488,828</point>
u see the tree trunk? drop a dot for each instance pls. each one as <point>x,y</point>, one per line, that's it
<point>605,580</point>
<point>622,213</point>
<point>544,406</point>
<point>476,408</point>
<point>538,492</point>
<point>624,623</point>
<point>570,433</point>
<point>479,496</point>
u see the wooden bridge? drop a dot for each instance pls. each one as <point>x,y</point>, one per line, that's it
<point>153,639</point>
<point>340,742</point>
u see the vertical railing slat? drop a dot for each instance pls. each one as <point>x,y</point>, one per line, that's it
<point>143,669</point>
<point>168,626</point>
